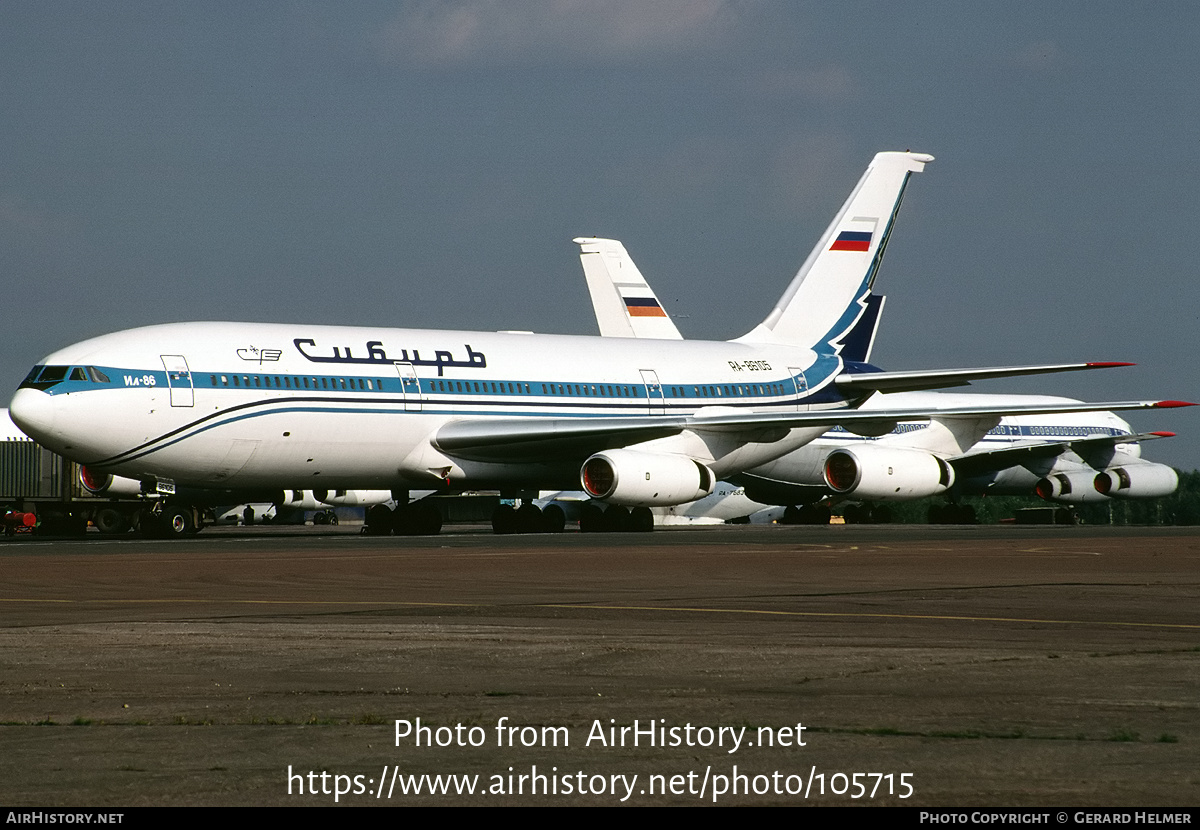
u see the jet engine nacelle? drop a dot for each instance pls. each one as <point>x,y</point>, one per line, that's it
<point>1076,487</point>
<point>298,500</point>
<point>643,479</point>
<point>1137,481</point>
<point>887,473</point>
<point>103,484</point>
<point>352,498</point>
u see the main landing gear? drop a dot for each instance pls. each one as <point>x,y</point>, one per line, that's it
<point>615,519</point>
<point>421,518</point>
<point>952,514</point>
<point>807,514</point>
<point>593,518</point>
<point>528,518</point>
<point>169,521</point>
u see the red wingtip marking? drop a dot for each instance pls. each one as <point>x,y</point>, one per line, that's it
<point>1107,364</point>
<point>1172,404</point>
<point>1164,434</point>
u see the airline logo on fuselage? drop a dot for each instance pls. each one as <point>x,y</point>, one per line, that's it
<point>376,354</point>
<point>257,355</point>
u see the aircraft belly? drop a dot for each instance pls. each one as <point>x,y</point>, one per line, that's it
<point>802,466</point>
<point>290,449</point>
<point>1011,481</point>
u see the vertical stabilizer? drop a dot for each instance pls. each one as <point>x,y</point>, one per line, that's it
<point>624,304</point>
<point>857,343</point>
<point>829,294</point>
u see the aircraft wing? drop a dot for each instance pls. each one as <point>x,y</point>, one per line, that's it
<point>945,378</point>
<point>972,464</point>
<point>540,439</point>
<point>537,439</point>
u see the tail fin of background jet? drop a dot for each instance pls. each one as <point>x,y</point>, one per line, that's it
<point>624,304</point>
<point>830,293</point>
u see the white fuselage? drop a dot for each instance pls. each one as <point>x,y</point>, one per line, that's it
<point>297,406</point>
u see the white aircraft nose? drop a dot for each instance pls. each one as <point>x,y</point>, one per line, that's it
<point>35,413</point>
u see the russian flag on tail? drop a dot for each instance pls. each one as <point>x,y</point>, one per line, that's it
<point>852,241</point>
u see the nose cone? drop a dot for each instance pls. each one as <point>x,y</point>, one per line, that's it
<point>35,413</point>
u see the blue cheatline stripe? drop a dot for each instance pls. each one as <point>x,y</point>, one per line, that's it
<point>336,405</point>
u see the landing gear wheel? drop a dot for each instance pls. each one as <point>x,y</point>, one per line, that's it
<point>554,519</point>
<point>529,518</point>
<point>176,522</point>
<point>641,520</point>
<point>504,519</point>
<point>424,519</point>
<point>591,518</point>
<point>616,519</point>
<point>110,520</point>
<point>378,520</point>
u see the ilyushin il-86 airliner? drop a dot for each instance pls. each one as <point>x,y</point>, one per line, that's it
<point>637,422</point>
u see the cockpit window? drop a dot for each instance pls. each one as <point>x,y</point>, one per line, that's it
<point>43,377</point>
<point>48,376</point>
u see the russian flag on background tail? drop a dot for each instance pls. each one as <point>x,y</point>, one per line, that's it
<point>852,241</point>
<point>643,307</point>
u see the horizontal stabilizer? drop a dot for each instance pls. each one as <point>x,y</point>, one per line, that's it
<point>945,378</point>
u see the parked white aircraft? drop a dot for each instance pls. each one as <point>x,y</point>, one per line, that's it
<point>241,405</point>
<point>1067,457</point>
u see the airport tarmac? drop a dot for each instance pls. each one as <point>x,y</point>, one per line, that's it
<point>929,667</point>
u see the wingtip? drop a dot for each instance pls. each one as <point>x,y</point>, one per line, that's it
<point>1163,434</point>
<point>1107,364</point>
<point>1172,404</point>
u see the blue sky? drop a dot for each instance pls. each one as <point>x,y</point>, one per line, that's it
<point>427,164</point>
